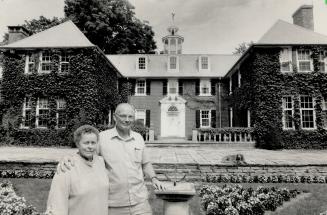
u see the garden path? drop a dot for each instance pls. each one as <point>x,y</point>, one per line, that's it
<point>203,155</point>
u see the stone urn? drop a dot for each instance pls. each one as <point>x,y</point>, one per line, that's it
<point>176,198</point>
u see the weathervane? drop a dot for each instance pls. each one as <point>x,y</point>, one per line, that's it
<point>173,16</point>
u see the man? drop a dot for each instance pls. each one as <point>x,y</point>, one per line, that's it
<point>127,161</point>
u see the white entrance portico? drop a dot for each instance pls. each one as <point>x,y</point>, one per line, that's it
<point>172,116</point>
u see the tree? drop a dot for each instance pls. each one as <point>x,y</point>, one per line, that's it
<point>242,47</point>
<point>111,25</point>
<point>41,24</point>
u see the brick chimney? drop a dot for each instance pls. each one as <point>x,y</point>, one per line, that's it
<point>304,17</point>
<point>17,33</point>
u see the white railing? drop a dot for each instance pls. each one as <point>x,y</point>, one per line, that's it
<point>228,135</point>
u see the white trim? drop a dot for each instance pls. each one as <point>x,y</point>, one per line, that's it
<point>200,63</point>
<point>169,63</point>
<point>27,60</point>
<point>22,125</point>
<point>63,62</point>
<point>209,119</point>
<point>298,61</point>
<point>145,64</point>
<point>40,64</point>
<point>288,59</point>
<point>231,117</point>
<point>249,118</point>
<point>239,78</point>
<point>287,109</point>
<point>313,111</point>
<point>230,85</point>
<point>202,82</point>
<point>140,112</point>
<point>323,61</point>
<point>140,94</point>
<point>58,108</point>
<point>38,112</point>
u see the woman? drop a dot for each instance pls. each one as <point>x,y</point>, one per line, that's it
<point>84,189</point>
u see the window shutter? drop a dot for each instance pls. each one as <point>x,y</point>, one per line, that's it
<point>197,118</point>
<point>147,118</point>
<point>180,87</point>
<point>197,87</point>
<point>213,118</point>
<point>148,87</point>
<point>213,87</point>
<point>164,87</point>
<point>133,82</point>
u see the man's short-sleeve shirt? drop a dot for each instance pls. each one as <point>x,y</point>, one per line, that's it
<point>124,159</point>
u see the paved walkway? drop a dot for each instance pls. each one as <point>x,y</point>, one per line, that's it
<point>204,154</point>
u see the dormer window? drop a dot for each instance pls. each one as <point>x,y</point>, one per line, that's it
<point>304,60</point>
<point>141,64</point>
<point>173,63</point>
<point>45,62</point>
<point>204,63</point>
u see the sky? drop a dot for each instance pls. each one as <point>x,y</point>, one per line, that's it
<point>208,26</point>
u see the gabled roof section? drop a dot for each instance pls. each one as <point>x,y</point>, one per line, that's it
<point>284,33</point>
<point>157,65</point>
<point>65,35</point>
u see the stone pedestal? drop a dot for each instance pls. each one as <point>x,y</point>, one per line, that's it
<point>176,198</point>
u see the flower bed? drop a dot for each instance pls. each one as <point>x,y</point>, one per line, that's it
<point>234,200</point>
<point>11,204</point>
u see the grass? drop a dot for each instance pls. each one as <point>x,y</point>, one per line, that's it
<point>36,191</point>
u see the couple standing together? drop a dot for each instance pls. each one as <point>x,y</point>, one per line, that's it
<point>106,176</point>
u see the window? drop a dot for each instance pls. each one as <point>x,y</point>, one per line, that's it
<point>140,116</point>
<point>324,110</point>
<point>29,64</point>
<point>205,88</point>
<point>172,87</point>
<point>27,106</point>
<point>322,62</point>
<point>42,113</point>
<point>141,63</point>
<point>205,118</point>
<point>61,113</point>
<point>307,112</point>
<point>140,88</point>
<point>173,63</point>
<point>204,63</point>
<point>45,62</point>
<point>285,58</point>
<point>288,112</point>
<point>64,63</point>
<point>304,60</point>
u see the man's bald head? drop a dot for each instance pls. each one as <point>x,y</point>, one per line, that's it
<point>123,107</point>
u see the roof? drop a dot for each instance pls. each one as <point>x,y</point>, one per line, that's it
<point>65,35</point>
<point>188,65</point>
<point>284,33</point>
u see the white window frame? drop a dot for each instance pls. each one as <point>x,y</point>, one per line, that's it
<point>28,62</point>
<point>38,112</point>
<point>323,59</point>
<point>170,83</point>
<point>209,119</point>
<point>61,105</point>
<point>285,109</point>
<point>308,109</point>
<point>44,62</point>
<point>140,114</point>
<point>285,57</point>
<point>202,83</point>
<point>139,64</point>
<point>170,69</point>
<point>305,60</point>
<point>64,60</point>
<point>201,63</point>
<point>25,108</point>
<point>137,86</point>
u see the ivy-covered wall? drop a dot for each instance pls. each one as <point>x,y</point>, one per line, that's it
<point>262,89</point>
<point>89,88</point>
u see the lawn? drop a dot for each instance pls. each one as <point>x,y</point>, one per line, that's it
<point>36,191</point>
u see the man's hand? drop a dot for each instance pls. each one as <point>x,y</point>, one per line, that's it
<point>158,185</point>
<point>65,164</point>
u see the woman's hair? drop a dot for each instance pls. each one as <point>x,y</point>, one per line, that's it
<point>84,129</point>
